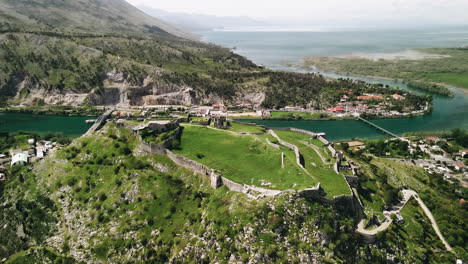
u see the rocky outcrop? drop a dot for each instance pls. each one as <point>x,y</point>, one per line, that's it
<point>119,91</point>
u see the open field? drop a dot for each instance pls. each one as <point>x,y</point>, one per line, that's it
<point>243,159</point>
<point>454,79</point>
<point>333,183</point>
<point>243,128</point>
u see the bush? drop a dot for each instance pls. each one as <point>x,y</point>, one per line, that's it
<point>102,197</point>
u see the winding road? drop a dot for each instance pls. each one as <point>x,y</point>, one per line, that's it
<point>407,195</point>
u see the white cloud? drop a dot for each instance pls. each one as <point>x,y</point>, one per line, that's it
<point>435,11</point>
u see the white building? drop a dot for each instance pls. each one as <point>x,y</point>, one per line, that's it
<point>20,158</point>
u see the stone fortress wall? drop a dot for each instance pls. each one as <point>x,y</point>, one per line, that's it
<point>344,202</point>
<point>294,148</point>
<point>272,144</point>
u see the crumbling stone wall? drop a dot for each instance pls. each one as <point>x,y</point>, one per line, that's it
<point>294,148</point>
<point>332,150</point>
<point>302,131</point>
<point>272,144</point>
<point>152,148</point>
<point>189,164</point>
<point>353,181</point>
<point>324,141</point>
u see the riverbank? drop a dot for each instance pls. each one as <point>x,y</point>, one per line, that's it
<point>53,110</point>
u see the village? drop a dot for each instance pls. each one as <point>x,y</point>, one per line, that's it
<point>431,153</point>
<point>371,104</point>
<point>24,154</point>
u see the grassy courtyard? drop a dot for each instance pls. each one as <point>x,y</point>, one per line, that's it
<point>333,183</point>
<point>243,128</point>
<point>243,159</point>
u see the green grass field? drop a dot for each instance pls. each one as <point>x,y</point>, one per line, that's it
<point>243,128</point>
<point>243,159</point>
<point>333,183</point>
<point>455,79</point>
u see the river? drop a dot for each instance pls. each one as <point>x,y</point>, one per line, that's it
<point>73,126</point>
<point>280,50</point>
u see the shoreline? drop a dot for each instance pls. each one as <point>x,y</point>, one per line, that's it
<point>50,112</point>
<point>302,66</point>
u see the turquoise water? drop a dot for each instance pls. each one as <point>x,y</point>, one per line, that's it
<point>72,126</point>
<point>277,50</point>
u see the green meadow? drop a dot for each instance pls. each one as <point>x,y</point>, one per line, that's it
<point>243,159</point>
<point>333,183</point>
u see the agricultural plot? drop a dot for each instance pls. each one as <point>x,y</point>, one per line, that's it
<point>243,159</point>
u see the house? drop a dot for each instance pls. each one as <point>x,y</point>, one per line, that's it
<point>432,139</point>
<point>20,158</point>
<point>369,97</point>
<point>203,111</point>
<point>460,166</point>
<point>398,97</point>
<point>40,151</point>
<point>464,153</point>
<point>338,109</point>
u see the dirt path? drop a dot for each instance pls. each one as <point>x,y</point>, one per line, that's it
<point>433,221</point>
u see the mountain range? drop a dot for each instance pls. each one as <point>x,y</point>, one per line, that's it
<point>200,22</point>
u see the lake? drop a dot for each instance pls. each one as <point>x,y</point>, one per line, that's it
<point>280,50</point>
<point>73,126</point>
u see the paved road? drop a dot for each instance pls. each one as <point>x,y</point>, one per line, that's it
<point>407,195</point>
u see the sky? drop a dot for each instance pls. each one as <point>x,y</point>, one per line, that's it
<point>325,11</point>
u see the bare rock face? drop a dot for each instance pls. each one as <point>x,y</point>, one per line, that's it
<point>31,94</point>
<point>118,91</point>
<point>254,99</point>
<point>164,94</point>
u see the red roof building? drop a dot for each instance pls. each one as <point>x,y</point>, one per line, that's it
<point>370,97</point>
<point>398,97</point>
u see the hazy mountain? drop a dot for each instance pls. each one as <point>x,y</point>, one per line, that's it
<point>83,16</point>
<point>198,22</point>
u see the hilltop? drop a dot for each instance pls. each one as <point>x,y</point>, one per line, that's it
<point>95,17</point>
<point>104,198</point>
<point>107,53</point>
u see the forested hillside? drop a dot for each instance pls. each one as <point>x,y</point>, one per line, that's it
<point>110,53</point>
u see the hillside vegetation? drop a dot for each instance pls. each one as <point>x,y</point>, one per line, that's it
<point>84,17</point>
<point>97,200</point>
<point>103,52</point>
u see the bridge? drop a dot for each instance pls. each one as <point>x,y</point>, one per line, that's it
<point>101,119</point>
<point>381,128</point>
